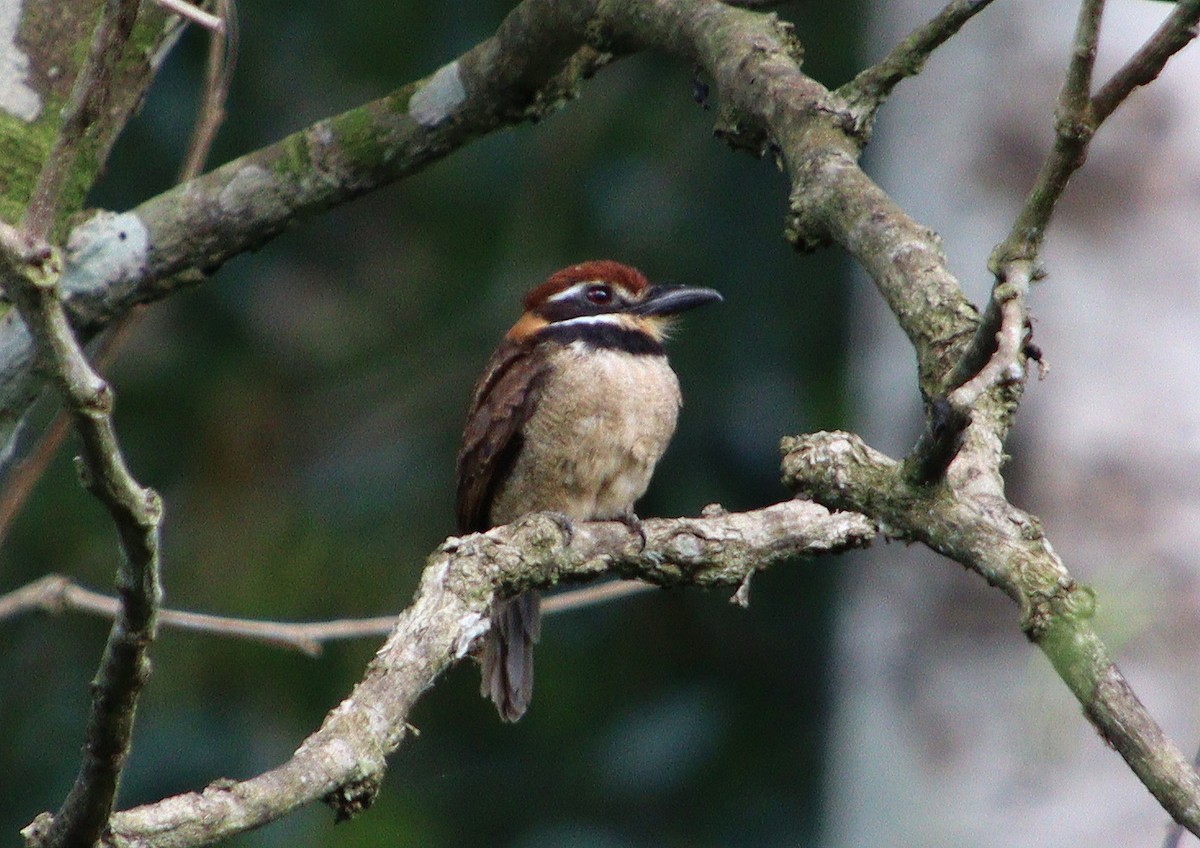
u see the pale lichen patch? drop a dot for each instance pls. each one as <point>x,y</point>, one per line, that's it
<point>16,97</point>
<point>438,98</point>
<point>104,249</point>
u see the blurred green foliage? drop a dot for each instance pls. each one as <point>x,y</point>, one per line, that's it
<point>300,413</point>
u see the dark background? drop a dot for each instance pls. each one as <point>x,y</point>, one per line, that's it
<point>300,413</point>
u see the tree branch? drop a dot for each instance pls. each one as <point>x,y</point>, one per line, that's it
<point>995,357</point>
<point>1008,549</point>
<point>870,88</point>
<point>344,761</point>
<point>218,76</point>
<point>1075,124</point>
<point>213,23</point>
<point>1080,115</point>
<point>55,593</point>
<point>1176,32</point>
<point>541,52</point>
<point>29,271</point>
<point>527,70</point>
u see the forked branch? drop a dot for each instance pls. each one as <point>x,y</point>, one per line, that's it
<point>29,272</point>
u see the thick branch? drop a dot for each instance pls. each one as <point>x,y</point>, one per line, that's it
<point>772,106</point>
<point>118,261</point>
<point>1007,548</point>
<point>529,68</point>
<point>114,262</point>
<point>345,758</point>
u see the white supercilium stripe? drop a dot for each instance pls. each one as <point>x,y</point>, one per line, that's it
<point>573,291</point>
<point>612,318</point>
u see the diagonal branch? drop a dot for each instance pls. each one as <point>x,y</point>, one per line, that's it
<point>29,271</point>
<point>1007,548</point>
<point>343,762</point>
<point>528,69</point>
<point>1176,32</point>
<point>18,479</point>
<point>1075,124</point>
<point>870,88</point>
<point>1081,114</point>
<point>995,356</point>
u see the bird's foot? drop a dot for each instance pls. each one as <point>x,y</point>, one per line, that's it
<point>634,523</point>
<point>564,524</point>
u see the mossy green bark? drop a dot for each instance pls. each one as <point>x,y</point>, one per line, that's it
<point>56,38</point>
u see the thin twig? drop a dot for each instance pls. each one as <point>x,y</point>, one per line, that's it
<point>222,59</point>
<point>588,596</point>
<point>21,479</point>
<point>1081,114</point>
<point>56,593</point>
<point>88,98</point>
<point>867,92</point>
<point>1075,125</point>
<point>754,4</point>
<point>29,269</point>
<point>1144,66</point>
<point>1073,99</point>
<point>211,22</point>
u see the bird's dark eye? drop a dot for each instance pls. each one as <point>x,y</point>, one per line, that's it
<point>599,294</point>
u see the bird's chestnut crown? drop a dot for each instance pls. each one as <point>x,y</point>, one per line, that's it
<point>604,287</point>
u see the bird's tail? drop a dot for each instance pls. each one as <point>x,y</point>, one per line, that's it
<point>507,656</point>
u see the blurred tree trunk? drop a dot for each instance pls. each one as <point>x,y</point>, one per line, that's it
<point>950,728</point>
<point>42,47</point>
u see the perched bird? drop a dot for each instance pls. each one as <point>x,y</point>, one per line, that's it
<point>571,415</point>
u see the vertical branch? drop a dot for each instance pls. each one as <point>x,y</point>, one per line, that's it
<point>996,353</point>
<point>29,269</point>
<point>222,58</point>
<point>1074,125</point>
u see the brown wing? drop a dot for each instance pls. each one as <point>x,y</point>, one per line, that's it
<point>503,401</point>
